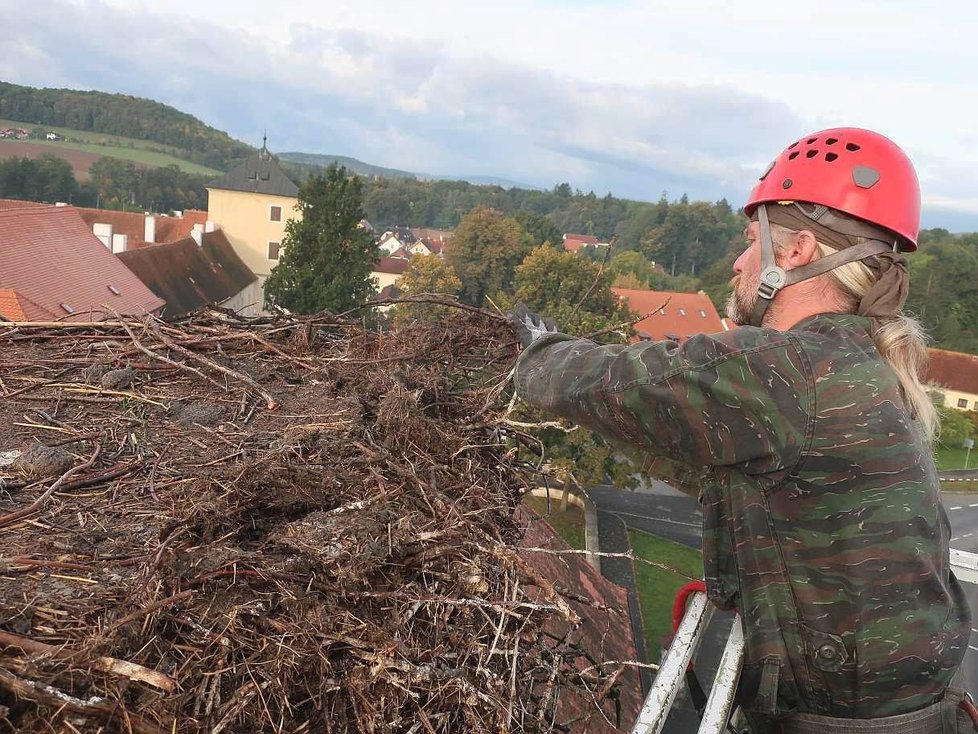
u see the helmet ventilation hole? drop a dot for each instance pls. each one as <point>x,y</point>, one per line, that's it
<point>811,140</point>
<point>831,141</point>
<point>852,147</point>
<point>812,153</point>
<point>792,156</point>
<point>831,156</point>
<point>793,144</point>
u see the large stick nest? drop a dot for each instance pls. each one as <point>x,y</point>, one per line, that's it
<point>279,525</point>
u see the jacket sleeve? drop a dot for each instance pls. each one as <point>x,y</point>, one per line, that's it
<point>741,399</point>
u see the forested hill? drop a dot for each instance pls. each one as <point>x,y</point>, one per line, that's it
<point>120,114</point>
<point>314,162</point>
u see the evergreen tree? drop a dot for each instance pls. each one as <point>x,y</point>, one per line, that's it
<point>327,256</point>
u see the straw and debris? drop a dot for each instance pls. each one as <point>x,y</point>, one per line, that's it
<point>278,525</point>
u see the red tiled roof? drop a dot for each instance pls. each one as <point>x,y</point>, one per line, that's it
<point>574,242</point>
<point>391,265</point>
<point>401,253</point>
<point>15,307</point>
<point>953,370</point>
<point>605,631</point>
<point>133,224</point>
<point>18,204</point>
<point>188,276</point>
<point>51,257</point>
<point>685,314</point>
<point>436,235</point>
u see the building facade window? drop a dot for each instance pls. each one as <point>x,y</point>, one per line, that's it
<point>963,403</point>
<point>275,213</point>
<point>682,312</point>
<point>273,250</point>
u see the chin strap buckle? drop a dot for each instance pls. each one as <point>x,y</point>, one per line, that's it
<point>773,279</point>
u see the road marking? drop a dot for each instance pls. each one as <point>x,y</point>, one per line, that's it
<point>972,647</point>
<point>974,630</point>
<point>959,507</point>
<point>974,505</point>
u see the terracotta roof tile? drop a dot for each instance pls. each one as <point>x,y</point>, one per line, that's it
<point>574,242</point>
<point>605,630</point>
<point>685,314</point>
<point>52,259</point>
<point>391,265</point>
<point>188,276</point>
<point>133,224</point>
<point>18,204</point>
<point>953,370</point>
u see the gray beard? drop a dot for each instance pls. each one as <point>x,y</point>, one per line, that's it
<point>739,309</point>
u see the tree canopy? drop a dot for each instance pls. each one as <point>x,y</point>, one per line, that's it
<point>426,274</point>
<point>484,252</point>
<point>327,257</point>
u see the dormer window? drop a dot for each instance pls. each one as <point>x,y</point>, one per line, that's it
<point>68,308</point>
<point>682,312</point>
<point>115,291</point>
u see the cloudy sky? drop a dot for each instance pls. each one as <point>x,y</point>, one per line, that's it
<point>631,97</point>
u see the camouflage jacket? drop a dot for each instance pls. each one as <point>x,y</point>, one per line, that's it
<point>822,519</point>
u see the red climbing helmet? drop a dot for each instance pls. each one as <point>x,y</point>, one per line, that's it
<point>855,171</point>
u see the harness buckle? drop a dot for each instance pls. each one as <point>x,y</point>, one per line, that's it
<point>773,279</point>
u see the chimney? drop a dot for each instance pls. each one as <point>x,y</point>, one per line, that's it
<point>198,234</point>
<point>104,233</point>
<point>120,243</point>
<point>210,226</point>
<point>150,231</point>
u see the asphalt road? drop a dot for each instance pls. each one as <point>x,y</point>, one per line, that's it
<point>663,511</point>
<point>962,509</point>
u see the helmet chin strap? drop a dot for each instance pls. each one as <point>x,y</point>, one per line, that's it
<point>773,277</point>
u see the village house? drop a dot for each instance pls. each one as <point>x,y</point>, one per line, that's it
<point>394,239</point>
<point>252,204</point>
<point>955,376</point>
<point>387,271</point>
<point>55,269</point>
<point>669,315</point>
<point>576,242</point>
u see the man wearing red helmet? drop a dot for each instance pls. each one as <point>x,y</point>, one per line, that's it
<point>806,434</point>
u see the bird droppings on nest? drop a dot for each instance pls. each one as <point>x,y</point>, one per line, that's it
<point>326,539</point>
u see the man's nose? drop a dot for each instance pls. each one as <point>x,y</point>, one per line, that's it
<point>738,266</point>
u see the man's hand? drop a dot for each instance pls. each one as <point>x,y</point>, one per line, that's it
<point>529,326</point>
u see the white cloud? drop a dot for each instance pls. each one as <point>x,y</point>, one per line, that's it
<point>630,96</point>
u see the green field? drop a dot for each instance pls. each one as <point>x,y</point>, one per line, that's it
<point>954,457</point>
<point>142,152</point>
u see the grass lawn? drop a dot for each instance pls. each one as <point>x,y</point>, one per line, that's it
<point>657,587</point>
<point>144,152</point>
<point>953,457</point>
<point>569,525</point>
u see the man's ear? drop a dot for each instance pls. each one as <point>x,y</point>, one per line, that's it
<point>801,250</point>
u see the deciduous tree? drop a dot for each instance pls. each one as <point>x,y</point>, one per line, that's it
<point>426,275</point>
<point>484,251</point>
